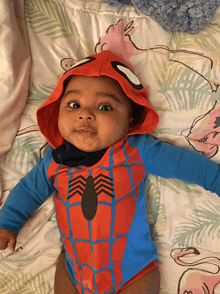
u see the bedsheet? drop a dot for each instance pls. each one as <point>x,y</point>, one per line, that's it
<point>181,72</point>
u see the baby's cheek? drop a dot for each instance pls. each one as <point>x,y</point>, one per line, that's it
<point>117,133</point>
<point>64,125</point>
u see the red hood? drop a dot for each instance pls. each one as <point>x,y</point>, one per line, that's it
<point>102,64</point>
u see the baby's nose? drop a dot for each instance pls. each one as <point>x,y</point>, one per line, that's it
<point>86,115</point>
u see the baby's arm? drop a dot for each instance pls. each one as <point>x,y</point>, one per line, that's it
<point>170,161</point>
<point>24,199</point>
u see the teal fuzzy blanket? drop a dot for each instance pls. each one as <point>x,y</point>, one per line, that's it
<point>179,15</point>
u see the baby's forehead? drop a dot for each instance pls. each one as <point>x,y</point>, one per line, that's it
<point>83,78</point>
<point>107,85</point>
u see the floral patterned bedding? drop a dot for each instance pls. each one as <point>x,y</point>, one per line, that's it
<point>181,73</point>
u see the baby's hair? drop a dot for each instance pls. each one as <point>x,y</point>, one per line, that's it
<point>65,83</point>
<point>137,110</point>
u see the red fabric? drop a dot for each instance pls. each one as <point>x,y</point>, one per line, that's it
<point>145,270</point>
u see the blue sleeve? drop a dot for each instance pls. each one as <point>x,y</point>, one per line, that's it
<point>27,196</point>
<point>170,161</point>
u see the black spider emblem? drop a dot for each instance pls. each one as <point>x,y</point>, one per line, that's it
<point>89,189</point>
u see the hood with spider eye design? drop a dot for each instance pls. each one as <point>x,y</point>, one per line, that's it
<point>102,64</point>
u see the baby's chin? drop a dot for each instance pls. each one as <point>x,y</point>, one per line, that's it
<point>92,144</point>
<point>88,149</point>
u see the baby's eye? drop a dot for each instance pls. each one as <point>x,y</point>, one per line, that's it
<point>74,105</point>
<point>105,108</point>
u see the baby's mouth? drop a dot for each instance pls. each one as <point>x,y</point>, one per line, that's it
<point>86,130</point>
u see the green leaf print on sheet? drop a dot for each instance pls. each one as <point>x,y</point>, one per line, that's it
<point>188,71</point>
<point>157,214</point>
<point>177,186</point>
<point>207,40</point>
<point>51,19</point>
<point>48,17</point>
<point>21,283</point>
<point>39,94</point>
<point>25,152</point>
<point>188,93</point>
<point>156,211</point>
<point>201,224</point>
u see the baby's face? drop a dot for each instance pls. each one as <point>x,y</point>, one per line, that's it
<point>94,113</point>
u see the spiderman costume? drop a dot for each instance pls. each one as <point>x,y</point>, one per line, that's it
<point>101,208</point>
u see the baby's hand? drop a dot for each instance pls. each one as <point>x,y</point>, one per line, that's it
<point>7,237</point>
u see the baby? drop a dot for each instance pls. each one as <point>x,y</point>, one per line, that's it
<point>97,122</point>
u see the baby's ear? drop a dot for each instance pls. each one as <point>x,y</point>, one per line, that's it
<point>131,119</point>
<point>131,123</point>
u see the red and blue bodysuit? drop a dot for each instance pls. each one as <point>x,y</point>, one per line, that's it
<point>100,206</point>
